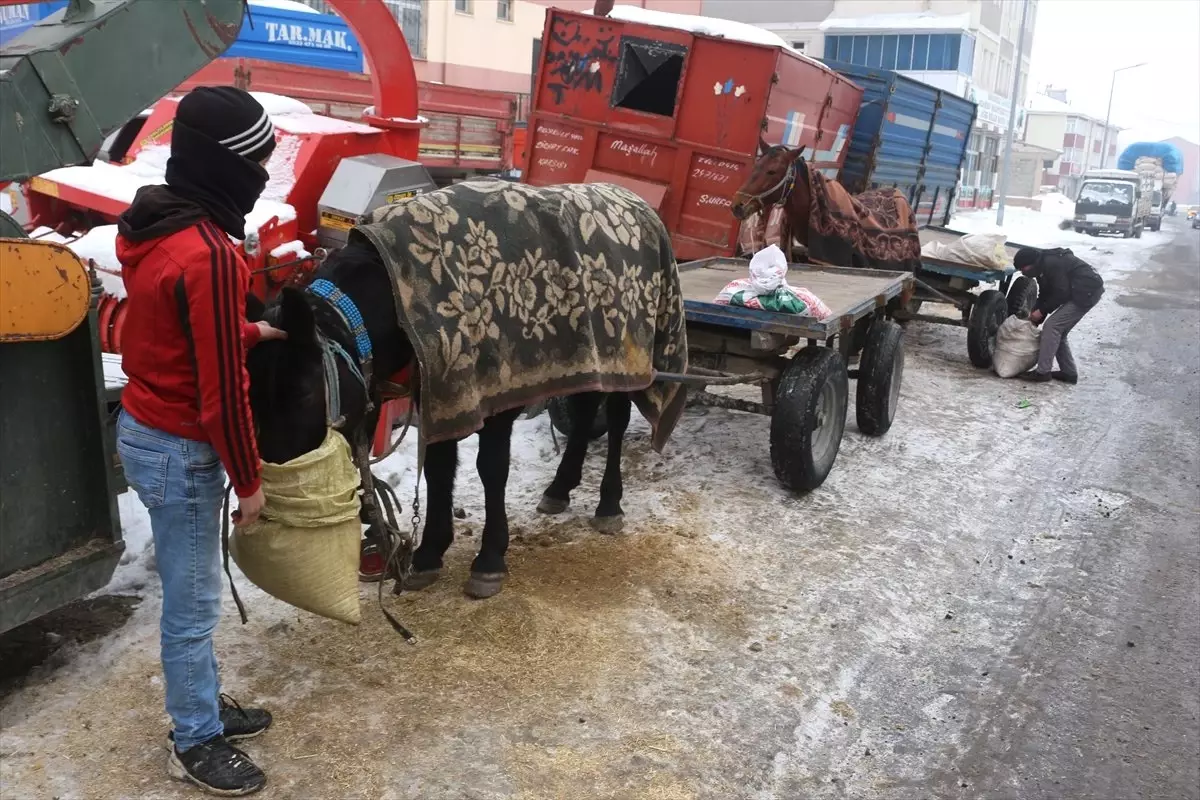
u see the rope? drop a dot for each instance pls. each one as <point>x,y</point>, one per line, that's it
<point>225,553</point>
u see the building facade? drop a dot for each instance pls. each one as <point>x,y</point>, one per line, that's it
<point>1187,190</point>
<point>1051,122</point>
<point>968,47</point>
<point>485,44</point>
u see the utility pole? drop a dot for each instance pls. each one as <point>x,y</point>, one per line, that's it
<point>1108,114</point>
<point>1012,113</point>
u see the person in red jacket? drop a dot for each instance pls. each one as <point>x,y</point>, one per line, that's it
<point>186,421</point>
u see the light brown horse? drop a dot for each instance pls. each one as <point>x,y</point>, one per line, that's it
<point>778,177</point>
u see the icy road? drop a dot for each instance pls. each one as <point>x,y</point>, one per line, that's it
<point>998,599</point>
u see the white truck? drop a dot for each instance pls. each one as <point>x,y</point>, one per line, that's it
<point>1113,201</point>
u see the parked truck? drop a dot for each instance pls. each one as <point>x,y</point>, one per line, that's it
<point>1162,164</point>
<point>1113,201</point>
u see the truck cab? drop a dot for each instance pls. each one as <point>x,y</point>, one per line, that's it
<point>1111,201</point>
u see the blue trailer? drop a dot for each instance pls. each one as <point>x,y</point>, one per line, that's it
<point>909,135</point>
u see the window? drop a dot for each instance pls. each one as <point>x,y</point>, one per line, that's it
<point>845,45</point>
<point>504,10</point>
<point>874,51</point>
<point>889,52</point>
<point>648,76</point>
<point>803,46</point>
<point>920,51</point>
<point>859,53</point>
<point>1048,164</point>
<point>831,47</point>
<point>409,15</point>
<point>966,57</point>
<point>904,47</point>
<point>464,6</point>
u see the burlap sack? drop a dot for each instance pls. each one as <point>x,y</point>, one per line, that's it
<point>304,548</point>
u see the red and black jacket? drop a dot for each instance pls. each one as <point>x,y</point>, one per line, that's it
<point>187,337</point>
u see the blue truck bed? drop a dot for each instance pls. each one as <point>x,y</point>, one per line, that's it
<point>909,135</point>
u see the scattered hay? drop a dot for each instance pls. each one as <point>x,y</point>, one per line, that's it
<point>357,706</point>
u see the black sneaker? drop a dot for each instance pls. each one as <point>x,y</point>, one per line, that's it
<point>1065,377</point>
<point>218,768</point>
<point>240,723</point>
<point>1033,376</point>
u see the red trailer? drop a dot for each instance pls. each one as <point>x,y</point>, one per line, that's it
<point>676,115</point>
<point>465,131</point>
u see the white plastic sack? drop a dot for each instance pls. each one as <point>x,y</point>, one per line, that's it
<point>768,269</point>
<point>978,249</point>
<point>1017,343</point>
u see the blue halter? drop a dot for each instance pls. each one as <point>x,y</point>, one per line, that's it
<point>331,350</point>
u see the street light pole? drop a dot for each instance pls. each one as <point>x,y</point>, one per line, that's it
<point>1108,114</point>
<point>1012,114</point>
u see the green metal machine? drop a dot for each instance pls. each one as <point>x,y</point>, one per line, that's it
<point>65,84</point>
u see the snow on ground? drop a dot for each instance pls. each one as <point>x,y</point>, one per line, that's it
<point>728,631</point>
<point>285,5</point>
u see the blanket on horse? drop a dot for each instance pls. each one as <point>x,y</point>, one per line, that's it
<point>513,294</point>
<point>875,229</point>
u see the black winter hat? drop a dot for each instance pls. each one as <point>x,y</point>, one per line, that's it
<point>1026,256</point>
<point>230,117</point>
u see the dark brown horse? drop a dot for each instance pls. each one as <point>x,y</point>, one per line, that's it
<point>778,177</point>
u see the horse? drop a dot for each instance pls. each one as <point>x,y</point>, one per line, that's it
<point>344,340</point>
<point>778,177</point>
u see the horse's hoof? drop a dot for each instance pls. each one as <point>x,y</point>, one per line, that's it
<point>609,525</point>
<point>482,585</point>
<point>421,579</point>
<point>552,505</point>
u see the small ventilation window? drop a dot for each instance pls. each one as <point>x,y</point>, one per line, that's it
<point>648,76</point>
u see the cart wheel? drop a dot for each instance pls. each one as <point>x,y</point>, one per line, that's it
<point>809,418</point>
<point>560,417</point>
<point>987,314</point>
<point>1022,295</point>
<point>879,374</point>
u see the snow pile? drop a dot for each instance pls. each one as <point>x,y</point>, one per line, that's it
<point>316,123</point>
<point>706,26</point>
<point>923,20</point>
<point>100,245</point>
<point>1058,205</point>
<point>275,104</point>
<point>292,249</point>
<point>282,168</point>
<point>116,181</point>
<point>370,111</point>
<point>294,6</point>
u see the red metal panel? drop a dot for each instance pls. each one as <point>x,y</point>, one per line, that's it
<point>729,94</point>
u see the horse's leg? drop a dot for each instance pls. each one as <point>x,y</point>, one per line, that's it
<point>557,498</point>
<point>441,464</point>
<point>610,518</point>
<point>488,569</point>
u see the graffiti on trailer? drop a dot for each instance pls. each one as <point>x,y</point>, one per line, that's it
<point>577,64</point>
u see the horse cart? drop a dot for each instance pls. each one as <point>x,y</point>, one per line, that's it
<point>954,283</point>
<point>802,365</point>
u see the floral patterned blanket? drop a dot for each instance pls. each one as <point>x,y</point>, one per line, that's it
<point>513,294</point>
<point>875,229</point>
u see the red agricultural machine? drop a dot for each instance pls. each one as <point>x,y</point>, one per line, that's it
<point>326,175</point>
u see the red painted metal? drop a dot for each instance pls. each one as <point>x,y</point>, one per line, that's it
<point>469,129</point>
<point>688,164</point>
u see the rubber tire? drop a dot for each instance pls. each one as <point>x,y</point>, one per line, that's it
<point>1022,295</point>
<point>988,312</point>
<point>880,372</point>
<point>797,398</point>
<point>560,417</point>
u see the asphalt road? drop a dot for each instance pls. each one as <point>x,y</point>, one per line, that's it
<point>998,600</point>
<point>1103,700</point>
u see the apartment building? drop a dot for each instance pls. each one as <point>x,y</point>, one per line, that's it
<point>1052,122</point>
<point>965,46</point>
<point>485,44</point>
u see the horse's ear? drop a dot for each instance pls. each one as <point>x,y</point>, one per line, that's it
<point>255,308</point>
<point>763,147</point>
<point>296,317</point>
<point>794,155</point>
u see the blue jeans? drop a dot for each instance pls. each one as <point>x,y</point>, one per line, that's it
<point>181,483</point>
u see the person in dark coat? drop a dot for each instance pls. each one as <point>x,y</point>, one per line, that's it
<point>1068,288</point>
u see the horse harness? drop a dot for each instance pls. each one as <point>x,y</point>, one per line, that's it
<point>787,183</point>
<point>378,498</point>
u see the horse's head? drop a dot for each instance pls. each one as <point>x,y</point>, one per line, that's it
<point>287,380</point>
<point>769,178</point>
